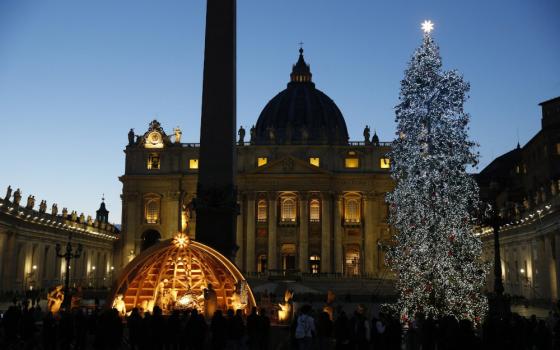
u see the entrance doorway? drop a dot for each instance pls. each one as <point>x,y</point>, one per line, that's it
<point>352,262</point>
<point>288,256</point>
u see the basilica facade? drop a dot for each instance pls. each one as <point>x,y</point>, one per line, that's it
<point>310,201</point>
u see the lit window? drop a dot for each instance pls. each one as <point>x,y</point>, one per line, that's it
<point>153,161</point>
<point>193,163</point>
<point>315,264</point>
<point>314,210</point>
<point>288,210</point>
<point>517,169</point>
<point>558,148</point>
<point>262,263</point>
<point>352,262</point>
<point>262,161</point>
<point>385,163</point>
<point>315,161</point>
<point>352,163</point>
<point>261,211</point>
<point>352,210</point>
<point>152,211</point>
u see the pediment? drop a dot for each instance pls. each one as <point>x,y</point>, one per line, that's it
<point>289,165</point>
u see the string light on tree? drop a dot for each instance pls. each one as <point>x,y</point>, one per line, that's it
<point>437,256</point>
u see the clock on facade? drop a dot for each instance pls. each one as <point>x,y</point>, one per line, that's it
<point>154,140</point>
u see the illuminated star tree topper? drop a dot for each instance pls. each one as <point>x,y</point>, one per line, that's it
<point>427,26</point>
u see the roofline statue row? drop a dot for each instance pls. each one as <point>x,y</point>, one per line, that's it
<point>11,202</point>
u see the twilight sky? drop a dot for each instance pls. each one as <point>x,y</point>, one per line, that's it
<point>76,75</point>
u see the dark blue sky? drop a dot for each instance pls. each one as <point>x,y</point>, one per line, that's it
<point>76,75</point>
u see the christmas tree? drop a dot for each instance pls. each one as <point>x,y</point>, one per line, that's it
<point>436,255</point>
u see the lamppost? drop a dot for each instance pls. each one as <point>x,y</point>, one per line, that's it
<point>68,256</point>
<point>499,305</point>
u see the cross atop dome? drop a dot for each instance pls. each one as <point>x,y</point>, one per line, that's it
<point>301,73</point>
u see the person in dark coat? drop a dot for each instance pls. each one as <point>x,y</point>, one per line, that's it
<point>263,330</point>
<point>324,330</point>
<point>342,331</point>
<point>218,327</point>
<point>158,326</point>
<point>134,324</point>
<point>252,329</point>
<point>49,332</point>
<point>196,331</point>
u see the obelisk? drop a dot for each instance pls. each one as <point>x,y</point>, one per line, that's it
<point>216,201</point>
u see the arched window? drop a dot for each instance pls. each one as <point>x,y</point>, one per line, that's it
<point>261,211</point>
<point>314,210</point>
<point>315,264</point>
<point>262,263</point>
<point>151,210</point>
<point>352,210</point>
<point>288,209</point>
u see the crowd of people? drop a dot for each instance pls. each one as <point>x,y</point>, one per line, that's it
<point>26,326</point>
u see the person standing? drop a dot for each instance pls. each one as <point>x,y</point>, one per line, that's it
<point>305,328</point>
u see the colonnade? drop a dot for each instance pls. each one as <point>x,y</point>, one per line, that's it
<point>333,236</point>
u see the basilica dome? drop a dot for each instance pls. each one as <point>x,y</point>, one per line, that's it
<point>301,114</point>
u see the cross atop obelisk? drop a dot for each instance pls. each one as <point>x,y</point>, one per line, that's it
<point>216,202</point>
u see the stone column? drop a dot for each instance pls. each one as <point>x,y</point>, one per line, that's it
<point>239,233</point>
<point>170,219</point>
<point>272,223</point>
<point>8,261</point>
<point>133,210</point>
<point>250,261</point>
<point>326,199</point>
<point>303,232</point>
<point>338,262</point>
<point>192,222</point>
<point>556,260</point>
<point>547,271</point>
<point>370,229</point>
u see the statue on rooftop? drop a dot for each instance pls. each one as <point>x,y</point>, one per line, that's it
<point>74,215</point>
<point>253,135</point>
<point>82,218</point>
<point>178,134</point>
<point>54,209</point>
<point>131,137</point>
<point>43,206</point>
<point>241,134</point>
<point>64,213</point>
<point>8,193</point>
<point>366,135</point>
<point>17,197</point>
<point>30,202</point>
